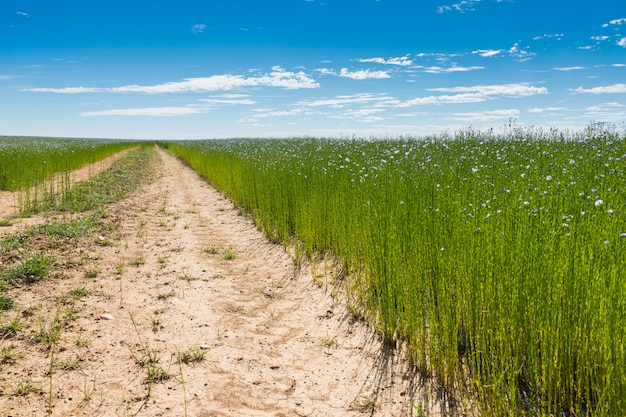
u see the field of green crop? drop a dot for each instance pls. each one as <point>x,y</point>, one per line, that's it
<point>498,257</point>
<point>27,161</point>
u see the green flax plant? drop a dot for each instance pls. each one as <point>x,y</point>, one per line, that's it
<point>496,256</point>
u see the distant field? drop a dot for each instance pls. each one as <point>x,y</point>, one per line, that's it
<point>27,161</point>
<point>498,258</point>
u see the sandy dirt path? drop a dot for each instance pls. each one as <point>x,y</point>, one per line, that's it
<point>275,342</point>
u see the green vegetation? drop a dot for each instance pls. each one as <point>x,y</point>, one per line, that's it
<point>73,229</point>
<point>11,328</point>
<point>108,186</point>
<point>78,293</point>
<point>191,355</point>
<point>6,302</point>
<point>229,254</point>
<point>48,335</point>
<point>30,269</point>
<point>26,387</point>
<point>27,161</point>
<point>497,257</point>
<point>30,254</point>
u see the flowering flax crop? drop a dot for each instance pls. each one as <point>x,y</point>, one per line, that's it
<point>498,258</point>
<point>27,161</point>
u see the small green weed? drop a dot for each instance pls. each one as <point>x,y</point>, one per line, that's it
<point>192,355</point>
<point>154,371</point>
<point>212,250</point>
<point>78,293</point>
<point>31,269</point>
<point>328,341</point>
<point>102,241</point>
<point>26,387</point>
<point>71,364</point>
<point>229,254</point>
<point>138,261</point>
<point>48,336</point>
<point>91,273</point>
<point>186,276</point>
<point>166,296</point>
<point>11,328</point>
<point>6,302</point>
<point>9,355</point>
<point>233,309</point>
<point>82,341</point>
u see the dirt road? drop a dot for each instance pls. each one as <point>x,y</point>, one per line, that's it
<point>182,271</point>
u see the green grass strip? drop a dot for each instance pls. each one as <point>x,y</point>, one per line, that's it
<point>113,184</point>
<point>73,229</point>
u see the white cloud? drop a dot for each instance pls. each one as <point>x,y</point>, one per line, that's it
<point>512,90</point>
<point>372,103</point>
<point>438,56</point>
<point>485,116</point>
<point>604,107</point>
<point>226,101</point>
<point>615,22</point>
<point>609,89</point>
<point>462,6</point>
<point>622,42</point>
<point>363,112</point>
<point>233,95</point>
<point>22,14</point>
<point>487,53</point>
<point>569,68</point>
<point>146,111</point>
<point>442,70</point>
<point>606,111</point>
<point>66,90</point>
<point>618,65</point>
<point>367,115</point>
<point>198,28</point>
<point>342,101</point>
<point>600,38</point>
<point>475,94</point>
<point>277,113</point>
<point>545,109</point>
<point>558,36</point>
<point>356,75</point>
<point>363,74</point>
<point>403,61</point>
<point>521,53</point>
<point>277,78</point>
<point>445,99</point>
<point>326,71</point>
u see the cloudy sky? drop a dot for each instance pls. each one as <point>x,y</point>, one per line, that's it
<point>216,69</point>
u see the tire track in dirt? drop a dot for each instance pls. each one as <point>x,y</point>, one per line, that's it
<point>275,343</point>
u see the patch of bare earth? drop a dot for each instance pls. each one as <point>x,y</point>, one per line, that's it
<point>176,272</point>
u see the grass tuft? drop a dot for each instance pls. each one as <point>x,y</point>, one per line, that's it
<point>30,269</point>
<point>192,355</point>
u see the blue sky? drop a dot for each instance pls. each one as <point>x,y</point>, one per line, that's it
<point>276,68</point>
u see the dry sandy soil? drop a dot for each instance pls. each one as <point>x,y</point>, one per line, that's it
<point>270,340</point>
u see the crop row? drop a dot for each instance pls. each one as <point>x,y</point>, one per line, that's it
<point>27,161</point>
<point>497,257</point>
